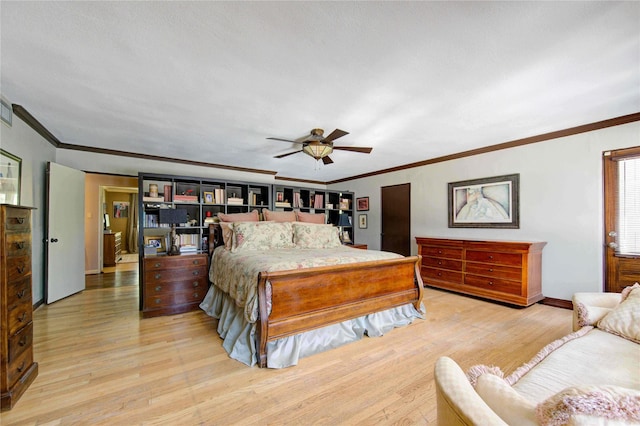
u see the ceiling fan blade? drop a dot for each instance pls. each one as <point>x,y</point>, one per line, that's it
<point>362,149</point>
<point>287,154</point>
<point>284,140</point>
<point>327,160</point>
<point>337,133</point>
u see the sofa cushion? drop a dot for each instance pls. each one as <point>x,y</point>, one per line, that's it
<point>592,403</point>
<point>565,366</point>
<point>624,319</point>
<point>512,407</point>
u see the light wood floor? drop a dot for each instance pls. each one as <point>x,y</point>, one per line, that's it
<point>101,364</point>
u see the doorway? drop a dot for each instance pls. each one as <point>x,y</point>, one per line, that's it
<point>621,175</point>
<point>396,219</point>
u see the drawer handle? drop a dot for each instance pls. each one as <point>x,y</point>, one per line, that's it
<point>23,341</point>
<point>20,269</point>
<point>158,276</point>
<point>439,251</point>
<point>21,367</point>
<point>158,288</point>
<point>196,262</point>
<point>196,284</point>
<point>158,301</point>
<point>22,317</point>
<point>439,274</point>
<point>490,282</point>
<point>490,269</point>
<point>439,262</point>
<point>196,273</point>
<point>157,265</point>
<point>20,245</point>
<point>490,257</point>
<point>195,295</point>
<point>21,293</point>
<point>20,220</point>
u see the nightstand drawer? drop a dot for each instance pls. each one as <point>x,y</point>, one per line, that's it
<point>174,262</point>
<point>173,299</point>
<point>172,275</point>
<point>156,289</point>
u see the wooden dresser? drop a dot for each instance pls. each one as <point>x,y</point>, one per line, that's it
<point>112,251</point>
<point>505,271</point>
<point>17,368</point>
<point>173,284</point>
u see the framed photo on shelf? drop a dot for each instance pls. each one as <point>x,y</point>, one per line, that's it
<point>362,204</point>
<point>157,241</point>
<point>208,197</point>
<point>10,177</point>
<point>485,203</point>
<point>362,221</point>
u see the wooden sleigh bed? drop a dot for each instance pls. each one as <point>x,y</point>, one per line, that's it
<point>296,301</point>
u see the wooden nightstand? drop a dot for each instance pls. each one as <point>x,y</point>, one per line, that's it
<point>360,246</point>
<point>173,284</point>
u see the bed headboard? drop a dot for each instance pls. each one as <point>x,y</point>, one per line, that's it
<point>215,237</point>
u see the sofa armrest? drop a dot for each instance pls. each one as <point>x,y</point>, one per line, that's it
<point>589,308</point>
<point>458,403</point>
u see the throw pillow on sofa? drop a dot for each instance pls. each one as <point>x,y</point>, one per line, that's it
<point>624,319</point>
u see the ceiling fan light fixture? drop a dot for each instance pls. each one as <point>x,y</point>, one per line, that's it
<point>317,150</point>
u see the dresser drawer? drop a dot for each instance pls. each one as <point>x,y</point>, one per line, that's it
<point>18,267</point>
<point>172,299</point>
<point>20,315</point>
<point>18,291</point>
<point>20,342</point>
<point>170,275</point>
<point>174,262</point>
<point>497,271</point>
<point>453,265</point>
<point>441,275</point>
<point>18,244</point>
<point>511,259</point>
<point>19,366</point>
<point>496,284</point>
<point>18,219</point>
<point>446,252</point>
<point>155,289</point>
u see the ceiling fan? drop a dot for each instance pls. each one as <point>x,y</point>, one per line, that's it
<point>319,147</point>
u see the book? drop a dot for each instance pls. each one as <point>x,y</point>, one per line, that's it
<point>235,201</point>
<point>153,199</point>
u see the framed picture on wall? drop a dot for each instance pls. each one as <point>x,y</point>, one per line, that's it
<point>485,203</point>
<point>362,204</point>
<point>10,176</point>
<point>120,209</point>
<point>362,221</point>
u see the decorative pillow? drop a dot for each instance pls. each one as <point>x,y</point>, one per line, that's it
<point>310,217</point>
<point>252,216</point>
<point>312,235</point>
<point>227,234</point>
<point>505,401</point>
<point>624,319</point>
<point>262,236</point>
<point>600,402</point>
<point>627,290</point>
<point>279,216</point>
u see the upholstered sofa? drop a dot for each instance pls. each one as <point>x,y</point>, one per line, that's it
<point>589,377</point>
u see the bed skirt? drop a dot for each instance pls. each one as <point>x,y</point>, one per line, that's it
<point>239,336</point>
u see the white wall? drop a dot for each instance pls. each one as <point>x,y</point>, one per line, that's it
<point>560,202</point>
<point>22,141</point>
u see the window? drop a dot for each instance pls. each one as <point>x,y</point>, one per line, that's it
<point>629,206</point>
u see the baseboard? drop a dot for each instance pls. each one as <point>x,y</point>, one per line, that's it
<point>558,303</point>
<point>92,272</point>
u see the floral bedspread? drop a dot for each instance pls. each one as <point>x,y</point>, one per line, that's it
<point>237,273</point>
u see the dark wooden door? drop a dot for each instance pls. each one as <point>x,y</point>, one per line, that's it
<point>396,219</point>
<point>621,170</point>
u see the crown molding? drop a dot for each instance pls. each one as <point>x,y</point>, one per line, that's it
<point>25,116</point>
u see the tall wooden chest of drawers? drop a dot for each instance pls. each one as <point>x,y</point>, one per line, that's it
<point>505,271</point>
<point>16,305</point>
<point>112,248</point>
<point>173,284</point>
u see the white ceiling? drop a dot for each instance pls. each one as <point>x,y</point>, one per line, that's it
<point>210,81</point>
